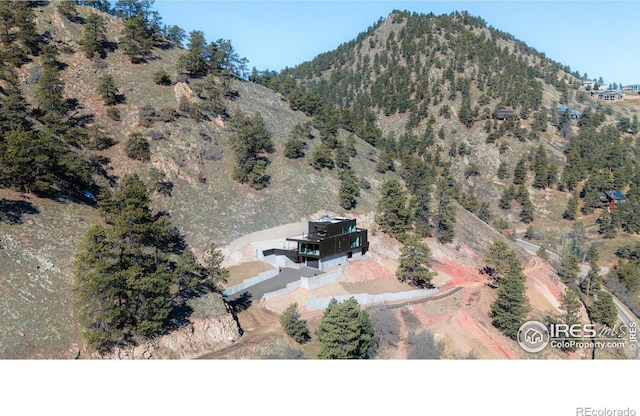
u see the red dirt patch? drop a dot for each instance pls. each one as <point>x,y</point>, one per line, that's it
<point>455,274</point>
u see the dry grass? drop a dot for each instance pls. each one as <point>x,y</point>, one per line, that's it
<point>244,271</point>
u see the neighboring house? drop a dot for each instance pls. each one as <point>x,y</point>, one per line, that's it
<point>329,243</point>
<point>607,95</point>
<point>572,111</point>
<point>505,113</point>
<point>633,87</point>
<point>611,198</point>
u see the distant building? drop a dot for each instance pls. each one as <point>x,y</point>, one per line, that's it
<point>329,243</point>
<point>609,95</point>
<point>611,198</point>
<point>505,113</point>
<point>572,111</point>
<point>634,88</point>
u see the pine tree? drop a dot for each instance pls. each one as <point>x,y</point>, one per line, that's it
<point>572,207</point>
<point>49,94</point>
<point>349,190</point>
<point>569,268</point>
<point>293,326</point>
<point>603,310</point>
<point>321,157</point>
<point>445,219</point>
<point>415,259</point>
<point>393,214</point>
<point>520,172</point>
<point>510,309</point>
<point>346,332</point>
<point>124,274</point>
<point>108,90</point>
<point>541,168</point>
<point>500,260</point>
<point>421,206</point>
<point>94,36</point>
<point>570,304</point>
<point>294,148</point>
<point>137,39</point>
<point>250,141</point>
<point>137,147</point>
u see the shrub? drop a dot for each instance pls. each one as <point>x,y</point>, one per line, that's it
<point>137,147</point>
<point>113,113</point>
<point>161,77</point>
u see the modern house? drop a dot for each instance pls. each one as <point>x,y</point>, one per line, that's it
<point>633,87</point>
<point>329,242</point>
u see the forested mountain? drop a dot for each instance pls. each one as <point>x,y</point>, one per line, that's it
<point>132,147</point>
<point>462,110</point>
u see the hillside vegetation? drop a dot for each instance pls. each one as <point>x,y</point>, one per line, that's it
<point>419,118</point>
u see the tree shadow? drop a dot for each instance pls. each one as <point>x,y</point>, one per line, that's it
<point>179,317</point>
<point>241,302</point>
<point>11,211</point>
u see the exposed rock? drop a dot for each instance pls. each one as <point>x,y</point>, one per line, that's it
<point>182,89</point>
<point>199,336</point>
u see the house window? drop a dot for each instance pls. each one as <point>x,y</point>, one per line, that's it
<point>355,241</point>
<point>308,249</point>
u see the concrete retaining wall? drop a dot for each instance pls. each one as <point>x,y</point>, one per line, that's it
<point>308,283</point>
<point>284,291</point>
<point>324,279</point>
<point>369,299</point>
<point>232,290</point>
<point>280,261</point>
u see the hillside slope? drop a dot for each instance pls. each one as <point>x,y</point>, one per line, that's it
<point>40,236</point>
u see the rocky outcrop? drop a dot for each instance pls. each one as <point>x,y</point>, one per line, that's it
<point>203,333</point>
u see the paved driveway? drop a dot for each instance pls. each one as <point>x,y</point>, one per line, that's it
<point>280,281</point>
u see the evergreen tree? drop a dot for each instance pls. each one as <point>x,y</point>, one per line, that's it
<point>213,274</point>
<point>502,172</point>
<point>603,310</point>
<point>569,268</point>
<point>520,172</point>
<point>293,326</point>
<point>421,206</point>
<point>124,274</point>
<point>137,147</point>
<point>250,141</point>
<point>414,265</point>
<point>393,214</point>
<point>321,157</point>
<point>195,62</point>
<point>446,213</point>
<point>294,148</point>
<point>510,309</point>
<point>49,95</point>
<point>137,39</point>
<point>346,332</point>
<point>572,207</point>
<point>349,190</point>
<point>94,36</point>
<point>570,304</point>
<point>500,260</point>
<point>541,168</point>
<point>108,90</point>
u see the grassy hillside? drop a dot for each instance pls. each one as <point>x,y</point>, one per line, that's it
<point>40,236</point>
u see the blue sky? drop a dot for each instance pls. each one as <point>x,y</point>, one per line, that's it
<point>600,38</point>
